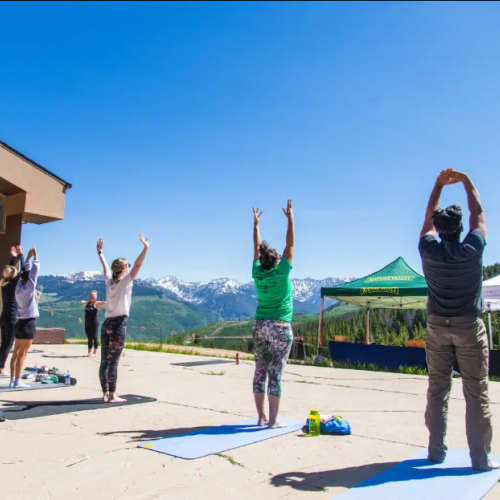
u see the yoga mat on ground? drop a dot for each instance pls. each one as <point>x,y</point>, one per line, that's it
<point>419,479</point>
<point>218,439</point>
<point>4,386</point>
<point>33,409</point>
<point>205,363</point>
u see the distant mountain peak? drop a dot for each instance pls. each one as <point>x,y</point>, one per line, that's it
<point>83,276</point>
<point>225,296</point>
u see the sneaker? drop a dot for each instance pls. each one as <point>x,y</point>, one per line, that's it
<point>11,382</point>
<point>20,385</point>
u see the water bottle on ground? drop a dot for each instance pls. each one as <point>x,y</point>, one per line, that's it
<point>35,369</point>
<point>67,379</point>
<point>314,423</point>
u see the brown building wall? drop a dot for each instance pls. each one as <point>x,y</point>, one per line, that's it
<point>12,237</point>
<point>44,194</point>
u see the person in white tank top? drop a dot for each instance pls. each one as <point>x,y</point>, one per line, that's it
<point>119,282</point>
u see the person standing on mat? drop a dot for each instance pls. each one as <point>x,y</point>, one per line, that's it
<point>10,277</point>
<point>455,331</point>
<point>119,283</point>
<point>27,315</point>
<point>272,329</point>
<point>92,307</point>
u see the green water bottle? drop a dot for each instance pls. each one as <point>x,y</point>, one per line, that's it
<point>314,423</point>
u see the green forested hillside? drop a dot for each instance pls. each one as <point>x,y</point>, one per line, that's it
<point>150,313</point>
<point>491,271</point>
<point>147,316</point>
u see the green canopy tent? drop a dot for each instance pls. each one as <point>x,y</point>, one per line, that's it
<point>396,286</point>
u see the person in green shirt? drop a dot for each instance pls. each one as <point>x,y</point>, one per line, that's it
<point>272,330</point>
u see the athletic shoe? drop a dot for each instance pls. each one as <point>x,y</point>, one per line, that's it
<point>21,385</point>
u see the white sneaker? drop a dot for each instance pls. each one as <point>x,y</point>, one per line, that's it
<point>11,382</point>
<point>20,385</point>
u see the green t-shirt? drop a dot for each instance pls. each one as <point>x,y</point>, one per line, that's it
<point>274,291</point>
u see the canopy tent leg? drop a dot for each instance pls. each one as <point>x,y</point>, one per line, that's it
<point>490,330</point>
<point>321,325</point>
<point>367,326</point>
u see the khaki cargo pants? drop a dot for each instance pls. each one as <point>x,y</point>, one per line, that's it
<point>464,339</point>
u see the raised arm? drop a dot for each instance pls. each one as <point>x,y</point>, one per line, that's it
<point>477,219</point>
<point>105,267</point>
<point>17,258</point>
<point>140,260</point>
<point>35,267</point>
<point>100,304</point>
<point>256,233</point>
<point>290,234</point>
<point>444,178</point>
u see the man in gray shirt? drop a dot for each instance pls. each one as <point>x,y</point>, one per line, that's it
<point>455,332</point>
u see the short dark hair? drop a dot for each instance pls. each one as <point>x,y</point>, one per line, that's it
<point>448,222</point>
<point>268,256</point>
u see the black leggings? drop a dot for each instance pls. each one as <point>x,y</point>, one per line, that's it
<point>8,335</point>
<point>113,334</point>
<point>91,330</point>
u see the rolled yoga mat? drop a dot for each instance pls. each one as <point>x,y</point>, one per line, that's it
<point>419,479</point>
<point>212,440</point>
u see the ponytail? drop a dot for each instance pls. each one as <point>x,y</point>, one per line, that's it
<point>268,256</point>
<point>117,267</point>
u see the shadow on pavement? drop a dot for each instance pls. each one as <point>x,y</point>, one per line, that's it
<point>151,435</point>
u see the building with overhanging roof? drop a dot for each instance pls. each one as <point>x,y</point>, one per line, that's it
<point>29,194</point>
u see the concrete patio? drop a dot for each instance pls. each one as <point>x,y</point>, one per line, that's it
<point>94,454</point>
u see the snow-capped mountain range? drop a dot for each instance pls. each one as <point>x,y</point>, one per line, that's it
<point>227,297</point>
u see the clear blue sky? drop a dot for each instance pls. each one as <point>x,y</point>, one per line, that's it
<point>173,119</point>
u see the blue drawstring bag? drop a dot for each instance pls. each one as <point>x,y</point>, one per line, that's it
<point>337,425</point>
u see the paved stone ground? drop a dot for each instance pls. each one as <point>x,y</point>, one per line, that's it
<point>385,411</point>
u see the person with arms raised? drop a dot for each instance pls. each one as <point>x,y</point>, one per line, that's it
<point>8,319</point>
<point>92,307</point>
<point>272,330</point>
<point>119,283</point>
<point>455,331</point>
<point>27,314</point>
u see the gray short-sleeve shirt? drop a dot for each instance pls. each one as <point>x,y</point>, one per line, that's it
<point>454,274</point>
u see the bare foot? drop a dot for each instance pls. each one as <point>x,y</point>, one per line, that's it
<point>92,355</point>
<point>105,398</point>
<point>276,425</point>
<point>263,421</point>
<point>116,399</point>
<point>491,466</point>
<point>86,355</point>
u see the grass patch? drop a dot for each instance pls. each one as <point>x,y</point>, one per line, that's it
<point>169,349</point>
<point>306,382</point>
<point>230,459</point>
<point>217,374</point>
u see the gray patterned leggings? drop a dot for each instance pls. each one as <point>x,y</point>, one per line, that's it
<point>113,334</point>
<point>272,342</point>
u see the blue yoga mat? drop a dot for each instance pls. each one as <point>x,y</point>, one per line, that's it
<point>419,479</point>
<point>218,439</point>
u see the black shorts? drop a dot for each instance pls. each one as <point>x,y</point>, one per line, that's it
<point>26,329</point>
